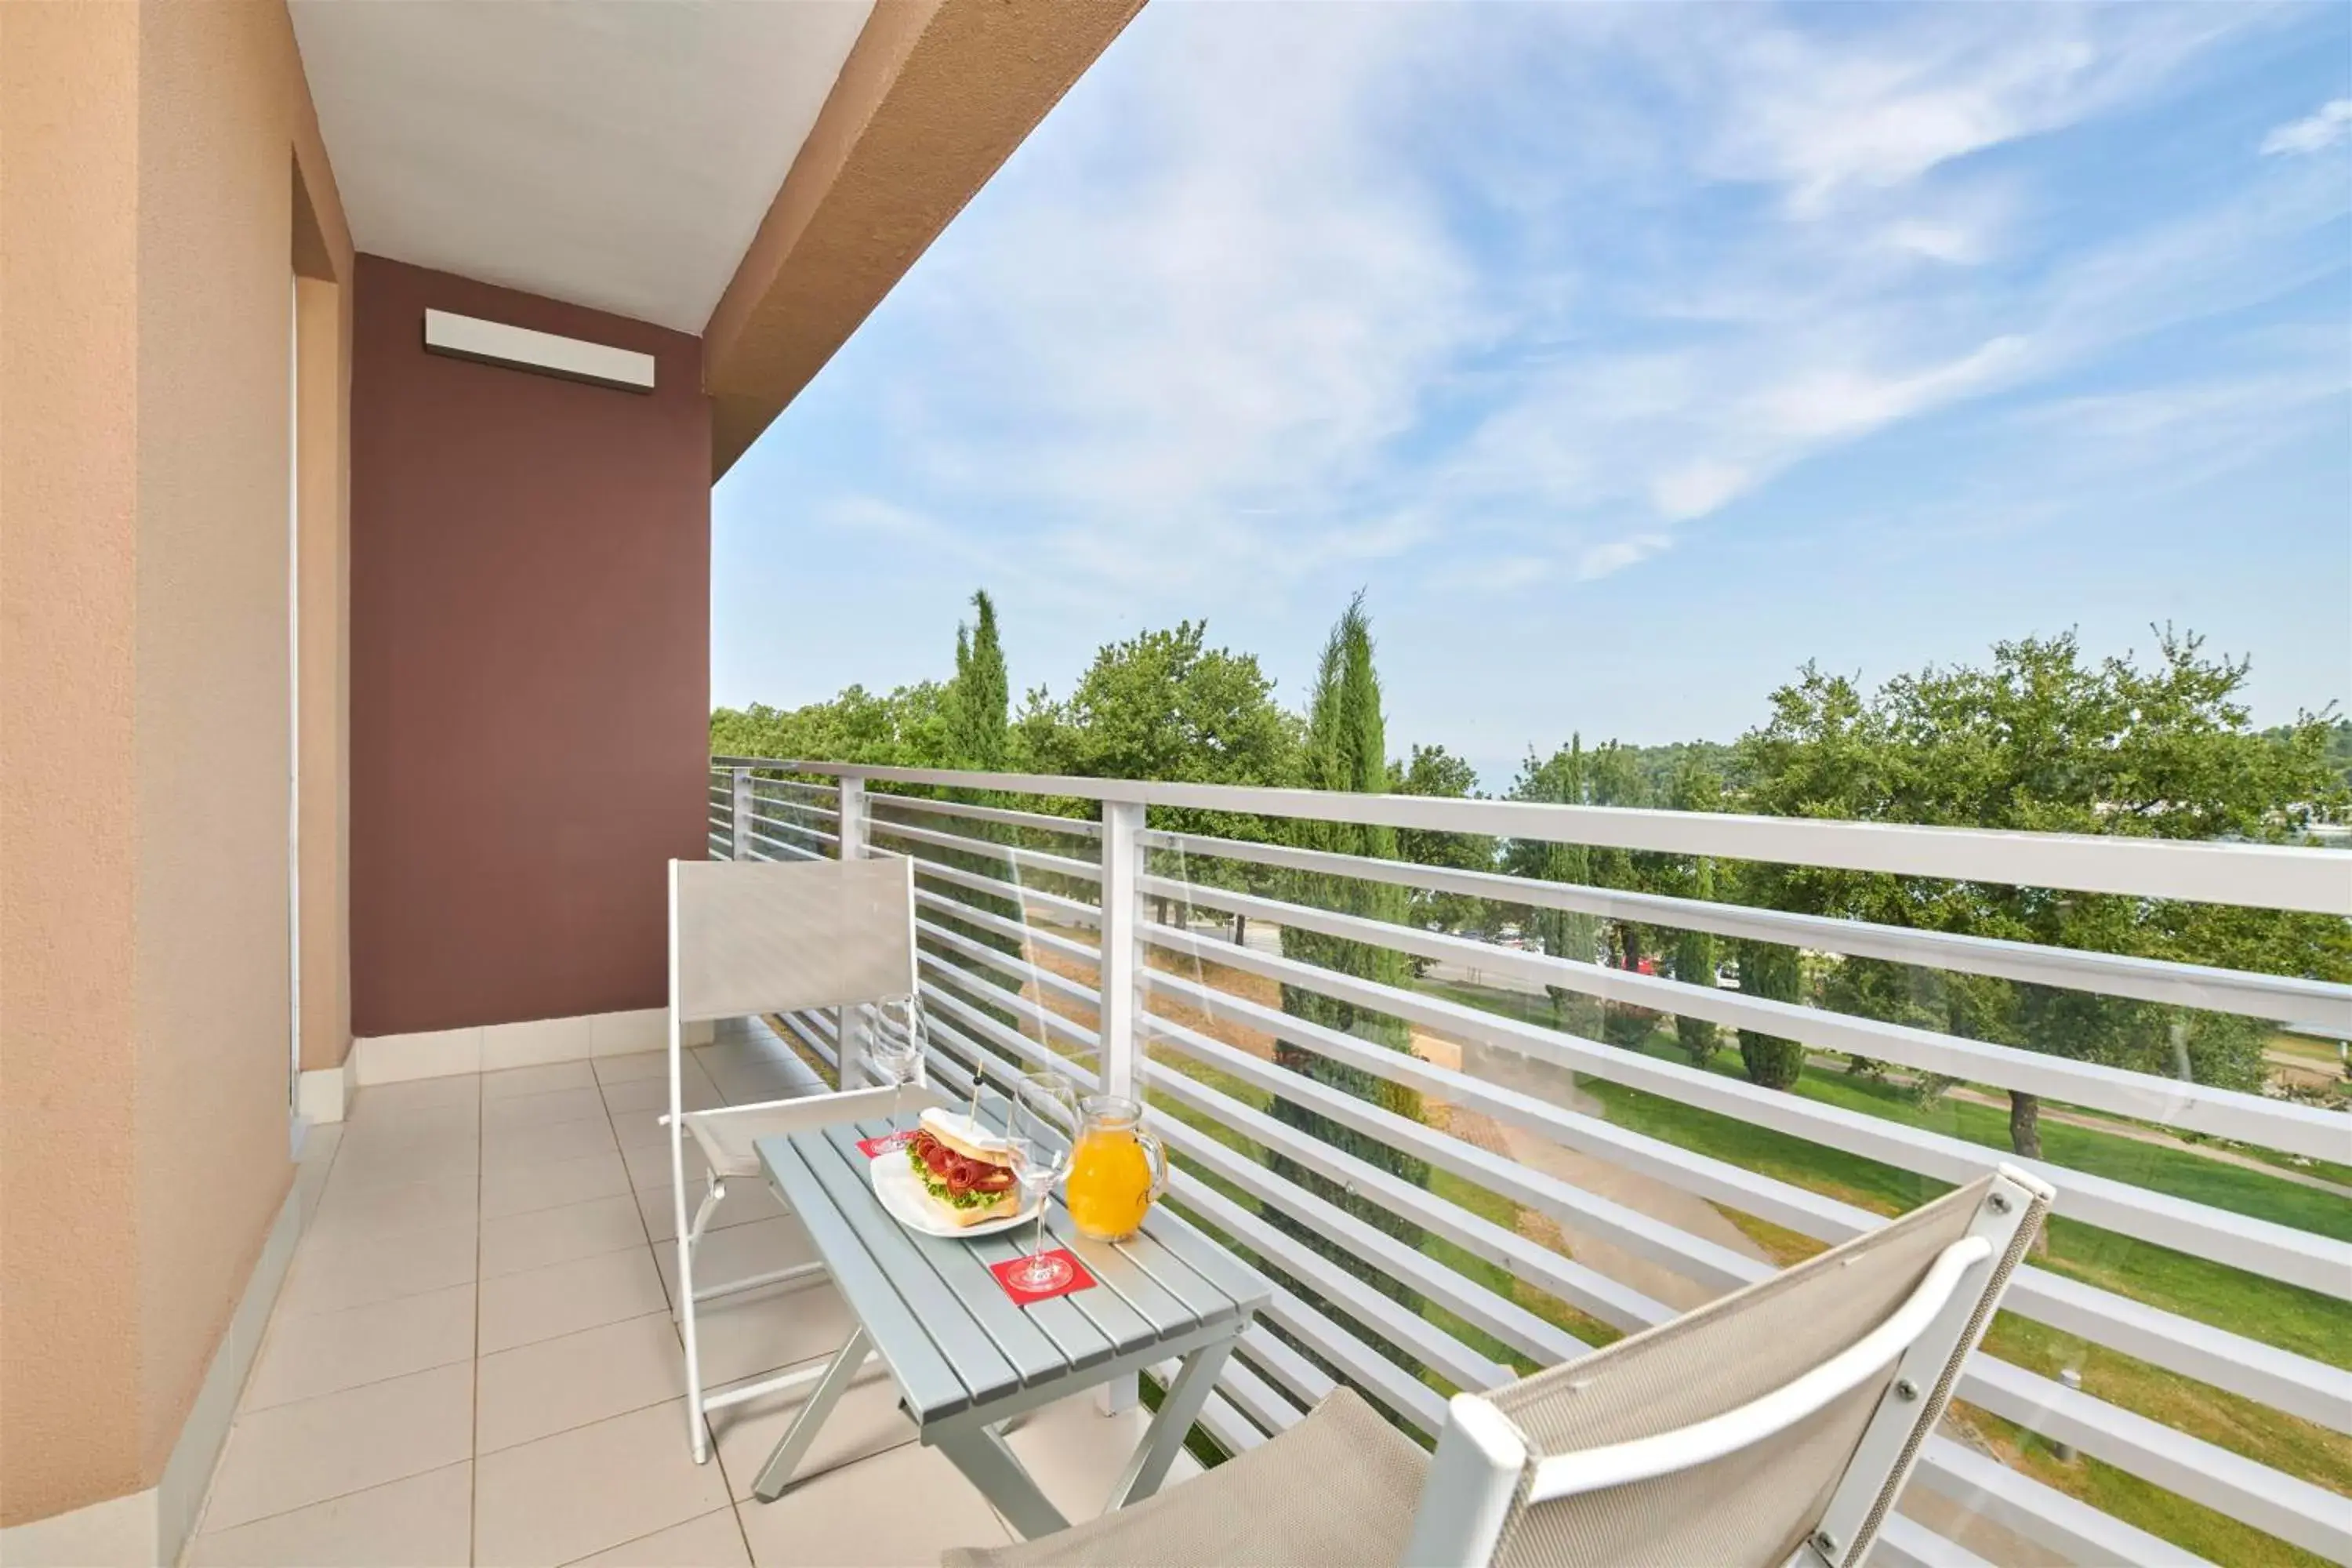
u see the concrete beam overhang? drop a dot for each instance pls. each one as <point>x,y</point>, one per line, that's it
<point>934,97</point>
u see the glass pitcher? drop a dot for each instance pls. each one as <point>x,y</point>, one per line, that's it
<point>1116,1168</point>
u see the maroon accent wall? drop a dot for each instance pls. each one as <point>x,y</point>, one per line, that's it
<point>529,675</point>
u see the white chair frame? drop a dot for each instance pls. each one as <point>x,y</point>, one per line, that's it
<point>846,1104</point>
<point>1481,1460</point>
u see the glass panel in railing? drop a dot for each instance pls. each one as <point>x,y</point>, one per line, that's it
<point>1317,1121</point>
<point>2236,1232</point>
<point>1631,1080</point>
<point>1006,911</point>
<point>794,816</point>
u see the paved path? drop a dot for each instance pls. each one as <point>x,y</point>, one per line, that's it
<point>1643,1195</point>
<point>2162,1139</point>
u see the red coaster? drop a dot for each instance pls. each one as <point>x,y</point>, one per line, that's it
<point>1069,1275</point>
<point>888,1143</point>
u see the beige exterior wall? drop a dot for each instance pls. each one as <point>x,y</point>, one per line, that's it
<point>68,489</point>
<point>323,335</point>
<point>147,215</point>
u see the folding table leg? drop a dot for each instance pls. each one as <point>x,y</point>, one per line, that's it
<point>1165,1437</point>
<point>777,1473</point>
<point>991,1467</point>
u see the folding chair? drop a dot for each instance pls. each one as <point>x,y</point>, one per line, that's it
<point>1773,1426</point>
<point>750,937</point>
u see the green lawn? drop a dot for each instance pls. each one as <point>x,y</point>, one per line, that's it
<point>2300,1321</point>
<point>2304,1321</point>
<point>2178,1172</point>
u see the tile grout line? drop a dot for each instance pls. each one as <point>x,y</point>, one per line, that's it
<point>206,1509</point>
<point>471,1462</point>
<point>734,1505</point>
<point>481,1177</point>
<point>203,1509</point>
<point>653,1249</point>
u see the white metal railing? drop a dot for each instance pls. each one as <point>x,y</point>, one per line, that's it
<point>1008,898</point>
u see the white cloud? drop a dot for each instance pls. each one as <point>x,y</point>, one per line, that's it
<point>2315,133</point>
<point>1838,402</point>
<point>1283,294</point>
<point>1696,488</point>
<point>1837,116</point>
<point>1602,559</point>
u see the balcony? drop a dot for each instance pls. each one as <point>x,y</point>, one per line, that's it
<point>1450,1149</point>
<point>473,1360</point>
<point>1513,1189</point>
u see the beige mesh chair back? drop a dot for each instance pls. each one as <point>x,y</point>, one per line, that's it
<point>756,937</point>
<point>1774,1426</point>
<point>1778,1423</point>
<point>763,936</point>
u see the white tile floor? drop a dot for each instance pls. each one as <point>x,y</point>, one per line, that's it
<point>473,1360</point>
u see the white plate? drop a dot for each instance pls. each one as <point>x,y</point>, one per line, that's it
<point>902,1194</point>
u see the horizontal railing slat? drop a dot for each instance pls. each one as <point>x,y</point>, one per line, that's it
<point>2273,1124</point>
<point>1078,827</point>
<point>2280,1252</point>
<point>1271,1382</point>
<point>1505,1321</point>
<point>2043,1515</point>
<point>2261,876</point>
<point>1065,910</point>
<point>1907,1543</point>
<point>2294,1511</point>
<point>1526,1259</point>
<point>1028,935</point>
<point>1011,854</point>
<point>1367,1368</point>
<point>2310,1389</point>
<point>2282,998</point>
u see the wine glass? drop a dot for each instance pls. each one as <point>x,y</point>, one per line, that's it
<point>1043,1156</point>
<point>1038,1163</point>
<point>898,1057</point>
<point>1044,1102</point>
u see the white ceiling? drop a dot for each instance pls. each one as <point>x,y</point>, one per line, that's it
<point>613,154</point>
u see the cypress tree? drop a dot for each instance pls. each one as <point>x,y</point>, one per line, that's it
<point>977,721</point>
<point>980,696</point>
<point>1696,788</point>
<point>1346,750</point>
<point>1695,965</point>
<point>1561,780</point>
<point>1768,969</point>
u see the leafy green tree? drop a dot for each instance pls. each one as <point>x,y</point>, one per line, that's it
<point>1163,705</point>
<point>907,728</point>
<point>1696,787</point>
<point>2046,740</point>
<point>1695,965</point>
<point>1618,779</point>
<point>1435,770</point>
<point>979,697</point>
<point>1560,779</point>
<point>1346,750</point>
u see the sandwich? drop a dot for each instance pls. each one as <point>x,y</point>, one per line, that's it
<point>966,1171</point>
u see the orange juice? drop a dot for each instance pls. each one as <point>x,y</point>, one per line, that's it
<point>1116,1169</point>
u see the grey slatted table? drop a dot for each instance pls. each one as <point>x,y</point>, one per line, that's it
<point>965,1358</point>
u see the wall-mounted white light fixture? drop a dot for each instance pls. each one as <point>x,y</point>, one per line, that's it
<point>519,348</point>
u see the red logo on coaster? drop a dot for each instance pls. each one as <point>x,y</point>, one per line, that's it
<point>889,1143</point>
<point>1041,1279</point>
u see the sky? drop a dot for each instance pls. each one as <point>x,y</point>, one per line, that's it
<point>1628,357</point>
